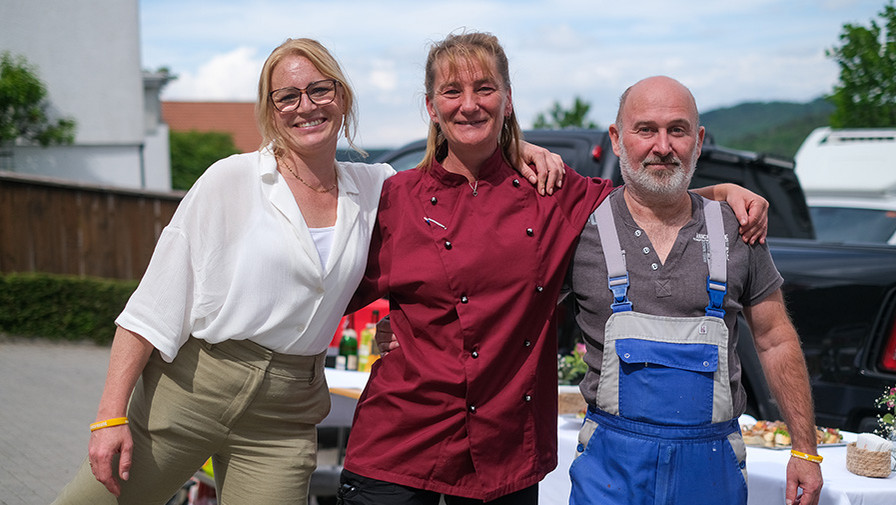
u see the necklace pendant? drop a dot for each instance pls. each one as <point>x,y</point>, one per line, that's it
<point>475,187</point>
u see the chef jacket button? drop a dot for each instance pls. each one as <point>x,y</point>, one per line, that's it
<point>516,183</point>
<point>447,245</point>
<point>464,299</point>
<point>527,398</point>
<point>434,200</point>
<point>527,343</point>
<point>637,232</point>
<point>654,266</point>
<point>472,409</point>
<point>646,250</point>
<point>539,288</point>
<point>530,232</point>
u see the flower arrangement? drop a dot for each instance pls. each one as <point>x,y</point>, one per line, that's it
<point>571,368</point>
<point>887,422</point>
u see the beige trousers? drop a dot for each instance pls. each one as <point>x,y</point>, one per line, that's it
<point>250,409</point>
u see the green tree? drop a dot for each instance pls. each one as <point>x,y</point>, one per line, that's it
<point>192,152</point>
<point>866,94</point>
<point>565,118</point>
<point>24,105</point>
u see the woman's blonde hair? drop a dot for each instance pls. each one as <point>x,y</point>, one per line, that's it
<point>326,64</point>
<point>469,49</point>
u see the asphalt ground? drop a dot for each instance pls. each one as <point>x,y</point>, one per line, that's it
<point>49,393</point>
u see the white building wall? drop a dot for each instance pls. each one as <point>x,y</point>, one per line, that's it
<point>87,52</point>
<point>108,165</point>
<point>157,154</point>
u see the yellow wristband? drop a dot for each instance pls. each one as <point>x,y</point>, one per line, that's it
<point>115,421</point>
<point>808,457</point>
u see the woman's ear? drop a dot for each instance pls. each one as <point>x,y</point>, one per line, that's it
<point>508,108</point>
<point>431,110</point>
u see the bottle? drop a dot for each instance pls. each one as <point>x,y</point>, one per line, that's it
<point>348,346</point>
<point>368,352</point>
<point>340,359</point>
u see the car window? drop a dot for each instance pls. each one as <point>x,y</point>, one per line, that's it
<point>841,224</point>
<point>568,151</point>
<point>406,160</point>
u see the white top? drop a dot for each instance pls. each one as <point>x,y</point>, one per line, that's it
<point>323,240</point>
<point>237,261</point>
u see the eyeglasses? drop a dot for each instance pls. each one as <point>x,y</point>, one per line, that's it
<point>319,92</point>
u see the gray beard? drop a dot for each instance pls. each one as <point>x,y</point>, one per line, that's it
<point>660,184</point>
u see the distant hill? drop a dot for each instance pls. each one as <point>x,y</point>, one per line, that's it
<point>769,127</point>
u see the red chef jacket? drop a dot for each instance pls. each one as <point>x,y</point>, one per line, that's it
<point>467,405</point>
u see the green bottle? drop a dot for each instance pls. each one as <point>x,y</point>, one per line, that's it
<point>348,348</point>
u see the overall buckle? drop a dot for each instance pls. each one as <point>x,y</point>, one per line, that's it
<point>716,292</point>
<point>619,287</point>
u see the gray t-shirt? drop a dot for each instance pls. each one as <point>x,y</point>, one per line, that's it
<point>676,288</point>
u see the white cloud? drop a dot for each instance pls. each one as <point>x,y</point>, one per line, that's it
<point>232,76</point>
<point>383,76</point>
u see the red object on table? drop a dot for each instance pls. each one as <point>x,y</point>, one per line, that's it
<point>361,318</point>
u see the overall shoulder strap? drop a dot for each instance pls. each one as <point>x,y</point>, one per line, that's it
<point>617,275</point>
<point>717,280</point>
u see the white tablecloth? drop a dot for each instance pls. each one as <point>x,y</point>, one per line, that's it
<point>765,467</point>
<point>766,470</point>
<point>766,474</point>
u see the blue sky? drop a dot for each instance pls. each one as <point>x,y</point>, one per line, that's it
<point>726,52</point>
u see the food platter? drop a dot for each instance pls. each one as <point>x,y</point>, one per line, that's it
<point>774,435</point>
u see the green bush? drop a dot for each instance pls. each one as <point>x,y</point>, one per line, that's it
<point>61,307</point>
<point>192,152</point>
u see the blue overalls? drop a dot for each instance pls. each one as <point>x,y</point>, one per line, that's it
<point>663,431</point>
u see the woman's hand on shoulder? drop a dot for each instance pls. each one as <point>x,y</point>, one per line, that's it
<point>751,211</point>
<point>548,171</point>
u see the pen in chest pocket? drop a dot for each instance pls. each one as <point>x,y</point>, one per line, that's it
<point>433,221</point>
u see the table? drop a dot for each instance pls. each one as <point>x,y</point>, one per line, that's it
<point>345,388</point>
<point>765,469</point>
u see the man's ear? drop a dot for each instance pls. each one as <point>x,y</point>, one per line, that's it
<point>614,138</point>
<point>700,134</point>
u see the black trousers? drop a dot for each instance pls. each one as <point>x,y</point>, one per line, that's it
<point>358,490</point>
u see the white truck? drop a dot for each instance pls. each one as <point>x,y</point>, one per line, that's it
<point>849,178</point>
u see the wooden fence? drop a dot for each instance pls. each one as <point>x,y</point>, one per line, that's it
<point>51,226</point>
